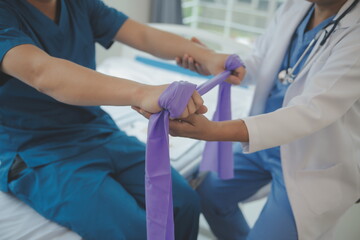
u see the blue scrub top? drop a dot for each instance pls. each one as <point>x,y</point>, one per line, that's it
<point>37,127</point>
<point>300,42</point>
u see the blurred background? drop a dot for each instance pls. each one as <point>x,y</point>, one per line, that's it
<point>240,20</point>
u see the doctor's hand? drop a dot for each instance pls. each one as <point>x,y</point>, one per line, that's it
<point>214,65</point>
<point>195,126</point>
<point>149,105</point>
<point>188,62</point>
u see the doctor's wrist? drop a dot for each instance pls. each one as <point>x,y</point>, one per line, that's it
<point>233,130</point>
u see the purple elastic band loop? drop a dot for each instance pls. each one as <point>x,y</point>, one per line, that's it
<point>232,62</point>
<point>175,96</point>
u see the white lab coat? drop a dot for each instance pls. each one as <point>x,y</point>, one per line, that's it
<point>318,127</point>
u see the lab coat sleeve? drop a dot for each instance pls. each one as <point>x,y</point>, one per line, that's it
<point>326,97</point>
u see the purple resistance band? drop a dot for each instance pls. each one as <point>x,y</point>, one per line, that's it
<point>158,185</point>
<point>218,156</point>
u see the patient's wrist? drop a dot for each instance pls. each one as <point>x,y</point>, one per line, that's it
<point>139,94</point>
<point>216,62</point>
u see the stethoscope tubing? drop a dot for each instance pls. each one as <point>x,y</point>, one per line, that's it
<point>289,76</point>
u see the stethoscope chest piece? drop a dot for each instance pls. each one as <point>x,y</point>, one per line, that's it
<point>285,76</point>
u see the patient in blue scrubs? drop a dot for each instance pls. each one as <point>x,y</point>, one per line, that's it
<point>60,153</point>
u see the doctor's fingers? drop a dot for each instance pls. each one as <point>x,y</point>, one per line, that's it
<point>194,126</point>
<point>181,128</point>
<point>190,63</point>
<point>142,112</point>
<point>201,70</point>
<point>175,127</point>
<point>185,61</point>
<point>237,76</point>
<point>178,61</point>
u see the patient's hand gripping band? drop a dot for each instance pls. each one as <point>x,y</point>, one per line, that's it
<point>217,155</point>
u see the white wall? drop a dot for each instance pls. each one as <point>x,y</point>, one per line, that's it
<point>138,10</point>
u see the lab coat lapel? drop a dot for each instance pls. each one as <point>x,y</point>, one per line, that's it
<point>316,50</point>
<point>351,18</point>
<point>296,87</point>
<point>284,36</point>
<point>275,56</point>
<point>346,22</point>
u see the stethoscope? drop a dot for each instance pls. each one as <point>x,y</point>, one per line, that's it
<point>287,75</point>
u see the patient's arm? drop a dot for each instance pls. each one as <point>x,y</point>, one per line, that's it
<point>188,61</point>
<point>73,84</point>
<point>169,46</point>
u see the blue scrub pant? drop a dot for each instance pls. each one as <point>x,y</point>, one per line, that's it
<point>100,194</point>
<point>220,199</point>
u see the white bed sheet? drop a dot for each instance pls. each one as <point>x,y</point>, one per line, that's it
<point>20,222</point>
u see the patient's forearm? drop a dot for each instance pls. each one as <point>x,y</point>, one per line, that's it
<point>166,45</point>
<point>160,43</point>
<point>74,84</point>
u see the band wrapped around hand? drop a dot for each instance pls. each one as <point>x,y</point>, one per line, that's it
<point>158,192</point>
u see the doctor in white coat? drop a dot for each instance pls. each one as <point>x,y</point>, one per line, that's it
<point>317,127</point>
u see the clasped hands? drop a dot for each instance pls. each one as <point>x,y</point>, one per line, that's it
<point>192,123</point>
